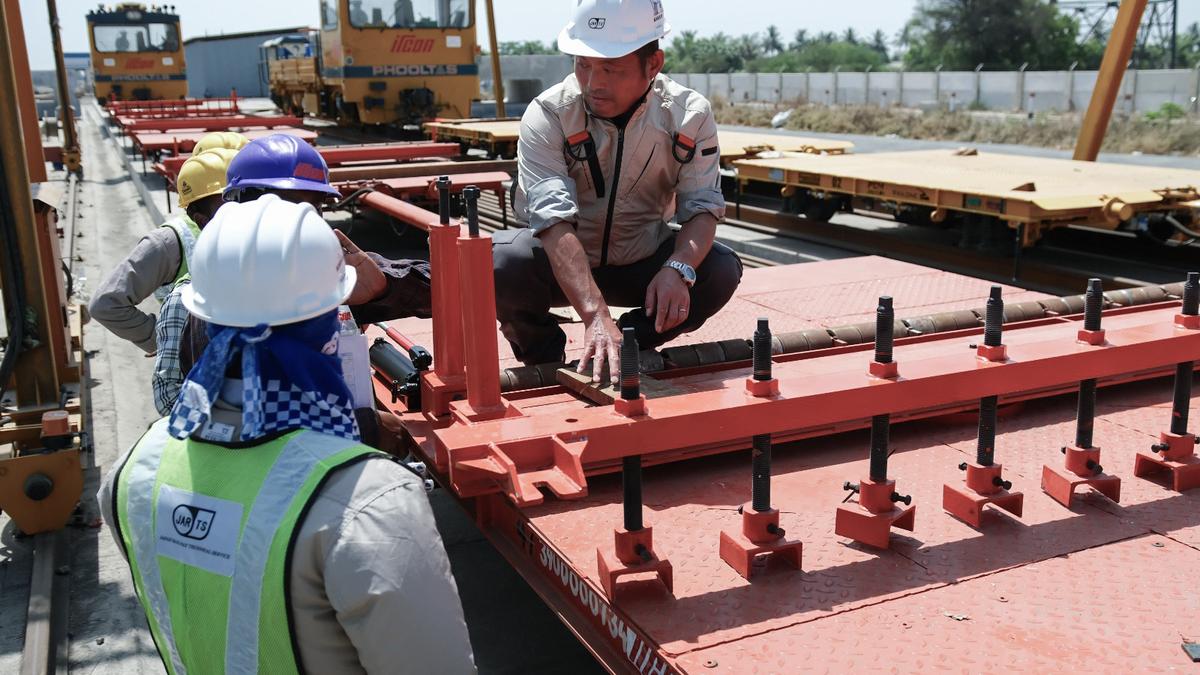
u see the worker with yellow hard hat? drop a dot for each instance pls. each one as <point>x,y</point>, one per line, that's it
<point>158,264</point>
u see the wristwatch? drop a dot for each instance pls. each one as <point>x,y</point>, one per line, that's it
<point>685,270</point>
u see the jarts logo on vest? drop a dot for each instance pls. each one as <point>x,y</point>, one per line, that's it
<point>193,522</point>
<point>596,23</point>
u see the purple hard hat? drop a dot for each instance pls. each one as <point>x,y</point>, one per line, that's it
<point>278,162</point>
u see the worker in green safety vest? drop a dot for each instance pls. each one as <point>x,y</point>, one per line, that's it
<point>262,535</point>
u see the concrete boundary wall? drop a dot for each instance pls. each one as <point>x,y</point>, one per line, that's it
<point>1029,91</point>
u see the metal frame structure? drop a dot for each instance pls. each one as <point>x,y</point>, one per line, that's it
<point>1159,27</point>
<point>503,453</point>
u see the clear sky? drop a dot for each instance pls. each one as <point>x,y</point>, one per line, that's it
<point>515,19</point>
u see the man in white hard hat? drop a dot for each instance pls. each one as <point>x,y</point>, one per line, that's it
<point>263,536</point>
<point>606,159</point>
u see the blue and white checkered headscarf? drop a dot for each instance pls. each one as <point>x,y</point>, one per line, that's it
<point>291,379</point>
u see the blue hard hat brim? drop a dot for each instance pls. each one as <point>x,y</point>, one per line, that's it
<point>283,184</point>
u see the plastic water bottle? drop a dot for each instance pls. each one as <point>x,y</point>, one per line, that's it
<point>356,364</point>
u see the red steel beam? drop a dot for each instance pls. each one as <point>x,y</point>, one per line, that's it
<point>207,123</point>
<point>183,142</point>
<point>542,444</point>
<point>400,210</point>
<point>388,152</point>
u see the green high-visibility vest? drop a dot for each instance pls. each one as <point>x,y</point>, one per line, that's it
<point>187,231</point>
<point>208,531</point>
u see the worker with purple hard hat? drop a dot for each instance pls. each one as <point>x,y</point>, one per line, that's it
<point>287,166</point>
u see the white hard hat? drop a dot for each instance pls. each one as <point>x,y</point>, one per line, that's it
<point>610,29</point>
<point>266,261</point>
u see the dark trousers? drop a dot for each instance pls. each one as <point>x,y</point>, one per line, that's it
<point>526,290</point>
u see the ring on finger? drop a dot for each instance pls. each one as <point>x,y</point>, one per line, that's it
<point>683,310</point>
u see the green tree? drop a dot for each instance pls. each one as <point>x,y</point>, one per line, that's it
<point>821,57</point>
<point>773,41</point>
<point>526,48</point>
<point>1001,34</point>
<point>799,40</point>
<point>1189,47</point>
<point>850,36</point>
<point>689,53</point>
<point>879,43</point>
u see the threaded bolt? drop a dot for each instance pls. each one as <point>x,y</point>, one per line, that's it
<point>986,451</point>
<point>1085,418</point>
<point>762,351</point>
<point>1093,306</point>
<point>1191,294</point>
<point>631,487</point>
<point>443,188</point>
<point>993,323</point>
<point>880,432</point>
<point>1001,483</point>
<point>885,321</point>
<point>471,196</point>
<point>631,381</point>
<point>760,486</point>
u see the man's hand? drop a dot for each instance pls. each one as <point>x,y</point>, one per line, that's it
<point>667,300</point>
<point>603,340</point>
<point>370,282</point>
<point>391,432</point>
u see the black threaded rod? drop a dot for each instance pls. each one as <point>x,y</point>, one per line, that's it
<point>1183,397</point>
<point>631,382</point>
<point>993,322</point>
<point>1093,305</point>
<point>1191,294</point>
<point>762,351</point>
<point>880,430</point>
<point>986,452</point>
<point>760,487</point>
<point>885,322</point>
<point>471,196</point>
<point>1085,417</point>
<point>443,188</point>
<point>631,486</point>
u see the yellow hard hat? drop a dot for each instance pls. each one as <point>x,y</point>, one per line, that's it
<point>203,175</point>
<point>220,139</point>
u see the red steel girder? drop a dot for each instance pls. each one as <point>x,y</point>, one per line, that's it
<point>222,123</point>
<point>717,411</point>
<point>337,156</point>
<point>183,142</point>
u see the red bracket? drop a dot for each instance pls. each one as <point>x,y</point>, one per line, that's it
<point>1060,482</point>
<point>633,553</point>
<point>997,354</point>
<point>1188,321</point>
<point>1094,338</point>
<point>884,371</point>
<point>1178,457</point>
<point>521,468</point>
<point>762,388</point>
<point>760,535</point>
<point>871,519</point>
<point>634,408</point>
<point>966,502</point>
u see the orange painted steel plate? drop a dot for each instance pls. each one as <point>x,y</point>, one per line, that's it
<point>1010,186</point>
<point>739,144</point>
<point>1022,603</point>
<point>490,131</point>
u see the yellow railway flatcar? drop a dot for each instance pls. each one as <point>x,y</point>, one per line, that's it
<point>380,62</point>
<point>137,53</point>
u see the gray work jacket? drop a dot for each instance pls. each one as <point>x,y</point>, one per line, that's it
<point>664,164</point>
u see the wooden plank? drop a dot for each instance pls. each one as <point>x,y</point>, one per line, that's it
<point>605,393</point>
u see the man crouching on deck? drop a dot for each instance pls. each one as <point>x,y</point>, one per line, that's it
<point>606,158</point>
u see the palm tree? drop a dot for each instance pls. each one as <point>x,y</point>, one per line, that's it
<point>800,40</point>
<point>773,41</point>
